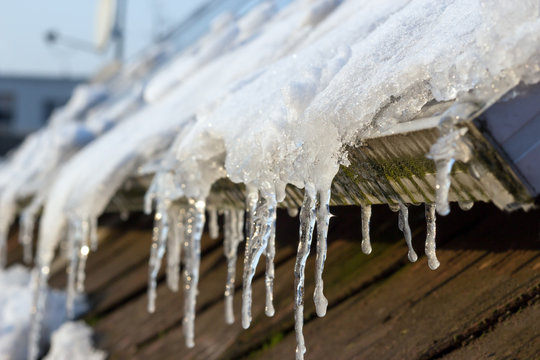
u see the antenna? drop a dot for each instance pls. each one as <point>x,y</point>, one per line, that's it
<point>104,23</point>
<point>110,26</point>
<point>110,21</point>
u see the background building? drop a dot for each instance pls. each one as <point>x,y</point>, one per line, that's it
<point>26,102</point>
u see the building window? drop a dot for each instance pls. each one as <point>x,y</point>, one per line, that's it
<point>7,108</point>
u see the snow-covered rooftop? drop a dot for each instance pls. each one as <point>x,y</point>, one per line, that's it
<point>274,98</point>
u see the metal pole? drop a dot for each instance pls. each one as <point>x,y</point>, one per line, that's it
<point>119,30</point>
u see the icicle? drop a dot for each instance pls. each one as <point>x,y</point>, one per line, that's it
<point>74,245</point>
<point>232,239</point>
<point>213,227</point>
<point>94,239</point>
<point>83,251</point>
<point>307,223</point>
<point>3,248</point>
<point>159,243</point>
<point>28,222</point>
<point>466,205</point>
<point>366,241</point>
<point>8,210</point>
<point>4,233</point>
<point>323,219</point>
<point>240,225</point>
<point>292,211</point>
<point>27,226</point>
<point>430,246</point>
<point>404,227</point>
<point>39,280</point>
<point>261,219</point>
<point>270,254</point>
<point>192,259</point>
<point>251,204</point>
<point>175,240</point>
<point>448,149</point>
<point>150,196</point>
<point>230,254</point>
<point>124,215</point>
<point>442,187</point>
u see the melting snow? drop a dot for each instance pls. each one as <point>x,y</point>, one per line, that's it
<point>73,341</point>
<point>17,285</point>
<point>269,99</point>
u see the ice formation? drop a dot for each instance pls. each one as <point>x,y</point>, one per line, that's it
<point>234,234</point>
<point>262,216</point>
<point>307,223</point>
<point>403,224</point>
<point>448,149</point>
<point>269,99</point>
<point>433,262</point>
<point>366,241</point>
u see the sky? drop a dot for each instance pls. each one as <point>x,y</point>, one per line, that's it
<point>23,24</point>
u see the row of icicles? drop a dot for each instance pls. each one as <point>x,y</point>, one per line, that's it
<point>178,229</point>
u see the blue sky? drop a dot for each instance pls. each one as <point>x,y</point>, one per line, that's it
<point>23,24</point>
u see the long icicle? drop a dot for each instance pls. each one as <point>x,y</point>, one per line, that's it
<point>443,183</point>
<point>270,254</point>
<point>366,240</point>
<point>158,248</point>
<point>307,223</point>
<point>74,244</point>
<point>3,246</point>
<point>8,210</point>
<point>260,231</point>
<point>450,147</point>
<point>93,230</point>
<point>39,283</point>
<point>230,254</point>
<point>232,239</point>
<point>83,251</point>
<point>192,260</point>
<point>323,219</point>
<point>213,227</point>
<point>405,228</point>
<point>240,225</point>
<point>430,247</point>
<point>28,222</point>
<point>252,198</point>
<point>175,240</point>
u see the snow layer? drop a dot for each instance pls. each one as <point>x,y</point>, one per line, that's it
<point>373,70</point>
<point>17,284</point>
<point>73,341</point>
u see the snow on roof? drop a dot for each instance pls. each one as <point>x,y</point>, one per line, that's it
<point>267,100</point>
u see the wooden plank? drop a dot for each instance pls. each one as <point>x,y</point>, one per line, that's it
<point>416,312</point>
<point>125,329</point>
<point>216,339</point>
<point>515,338</point>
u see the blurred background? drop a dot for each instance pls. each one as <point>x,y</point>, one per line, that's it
<point>47,48</point>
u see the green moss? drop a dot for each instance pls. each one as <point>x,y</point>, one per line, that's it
<point>92,320</point>
<point>268,344</point>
